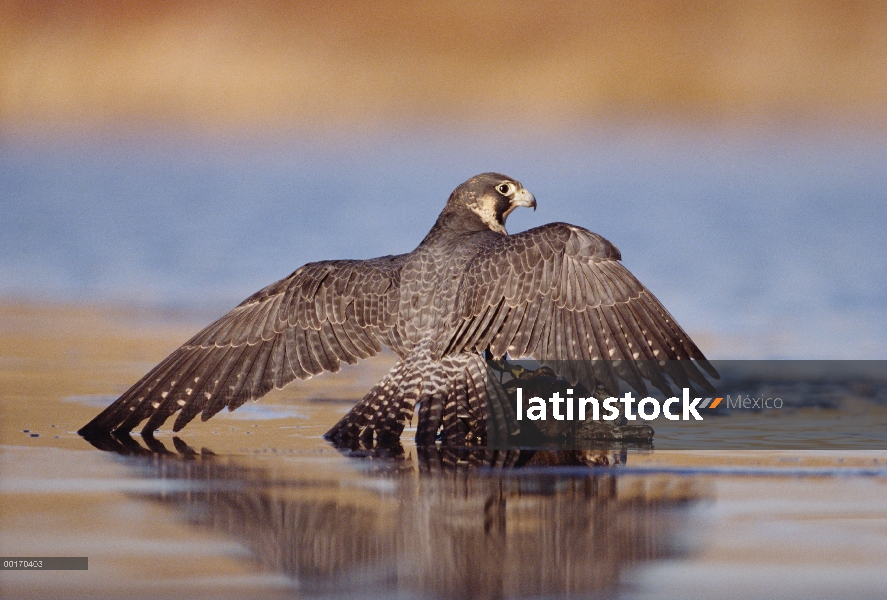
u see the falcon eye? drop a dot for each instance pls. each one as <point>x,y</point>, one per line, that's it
<point>504,189</point>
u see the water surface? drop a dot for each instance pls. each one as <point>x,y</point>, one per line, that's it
<point>257,504</point>
<point>763,244</point>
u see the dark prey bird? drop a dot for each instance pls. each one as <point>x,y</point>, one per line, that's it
<point>556,293</point>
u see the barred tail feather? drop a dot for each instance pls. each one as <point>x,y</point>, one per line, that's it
<point>455,396</point>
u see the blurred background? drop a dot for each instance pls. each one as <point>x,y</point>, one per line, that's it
<point>181,155</point>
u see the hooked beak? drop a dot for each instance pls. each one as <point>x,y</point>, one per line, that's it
<point>523,198</point>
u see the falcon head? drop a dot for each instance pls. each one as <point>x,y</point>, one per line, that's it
<point>489,198</point>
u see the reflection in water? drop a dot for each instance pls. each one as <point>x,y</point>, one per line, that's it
<point>436,527</point>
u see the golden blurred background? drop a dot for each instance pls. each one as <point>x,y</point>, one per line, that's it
<point>331,64</point>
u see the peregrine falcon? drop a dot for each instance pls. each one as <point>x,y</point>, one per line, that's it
<point>556,293</point>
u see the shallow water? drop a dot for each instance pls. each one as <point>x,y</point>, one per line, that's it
<point>763,244</point>
<point>256,504</point>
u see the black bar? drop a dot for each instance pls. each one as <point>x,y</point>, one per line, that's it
<point>753,404</point>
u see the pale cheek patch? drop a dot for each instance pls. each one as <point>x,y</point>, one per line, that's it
<point>486,211</point>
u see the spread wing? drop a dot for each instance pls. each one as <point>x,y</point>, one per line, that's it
<point>323,314</point>
<point>558,294</point>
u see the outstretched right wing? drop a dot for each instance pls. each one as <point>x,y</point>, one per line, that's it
<point>323,314</point>
<point>559,294</point>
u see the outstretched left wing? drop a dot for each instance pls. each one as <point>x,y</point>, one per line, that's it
<point>323,314</point>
